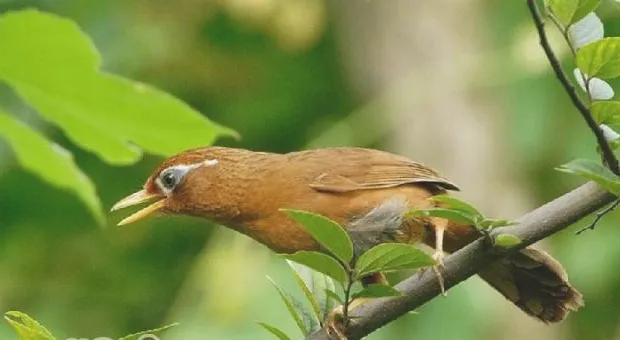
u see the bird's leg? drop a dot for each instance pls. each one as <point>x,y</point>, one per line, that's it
<point>334,323</point>
<point>439,255</point>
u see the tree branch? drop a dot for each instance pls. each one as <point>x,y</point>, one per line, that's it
<point>608,155</point>
<point>419,289</point>
<point>534,226</point>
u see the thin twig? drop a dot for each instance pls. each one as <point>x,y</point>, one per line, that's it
<point>598,217</point>
<point>608,155</point>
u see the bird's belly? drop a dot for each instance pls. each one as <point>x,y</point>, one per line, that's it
<point>280,234</point>
<point>370,217</point>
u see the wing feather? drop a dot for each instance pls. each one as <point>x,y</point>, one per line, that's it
<point>353,169</point>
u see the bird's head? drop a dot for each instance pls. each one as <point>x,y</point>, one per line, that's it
<point>177,185</point>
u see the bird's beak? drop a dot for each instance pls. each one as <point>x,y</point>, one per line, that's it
<point>137,198</point>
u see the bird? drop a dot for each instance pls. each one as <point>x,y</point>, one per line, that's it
<point>367,191</point>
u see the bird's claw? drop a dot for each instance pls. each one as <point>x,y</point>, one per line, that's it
<point>438,256</point>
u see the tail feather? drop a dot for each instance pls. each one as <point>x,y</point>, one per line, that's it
<point>536,283</point>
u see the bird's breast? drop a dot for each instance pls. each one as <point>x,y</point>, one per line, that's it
<point>369,216</point>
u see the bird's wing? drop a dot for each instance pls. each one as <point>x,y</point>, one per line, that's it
<point>363,169</point>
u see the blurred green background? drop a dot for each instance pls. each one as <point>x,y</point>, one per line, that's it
<point>459,85</point>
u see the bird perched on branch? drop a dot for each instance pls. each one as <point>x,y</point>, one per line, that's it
<point>367,191</point>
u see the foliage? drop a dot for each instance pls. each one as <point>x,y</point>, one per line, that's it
<point>327,232</point>
<point>597,58</point>
<point>58,74</point>
<point>225,66</point>
<point>29,329</point>
<point>594,171</point>
<point>340,267</point>
<point>391,257</point>
<point>459,211</point>
<point>571,11</point>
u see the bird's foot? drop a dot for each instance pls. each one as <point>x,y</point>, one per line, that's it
<point>438,269</point>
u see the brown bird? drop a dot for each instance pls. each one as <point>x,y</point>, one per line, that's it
<point>366,191</point>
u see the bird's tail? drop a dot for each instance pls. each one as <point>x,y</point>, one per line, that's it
<point>536,283</point>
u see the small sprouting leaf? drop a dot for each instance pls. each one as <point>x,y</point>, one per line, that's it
<point>609,133</point>
<point>595,171</point>
<point>493,223</point>
<point>506,241</point>
<point>140,335</point>
<point>391,256</point>
<point>569,11</point>
<point>586,31</point>
<point>601,58</point>
<point>326,232</point>
<point>457,204</point>
<point>597,88</point>
<point>449,214</point>
<point>26,327</point>
<point>606,112</point>
<point>304,319</point>
<point>320,262</point>
<point>275,331</point>
<point>50,162</point>
<point>376,291</point>
<point>333,296</point>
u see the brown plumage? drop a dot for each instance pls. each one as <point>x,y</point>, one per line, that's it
<point>367,191</point>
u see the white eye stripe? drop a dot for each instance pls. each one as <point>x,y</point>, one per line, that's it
<point>178,172</point>
<point>210,162</point>
<point>161,187</point>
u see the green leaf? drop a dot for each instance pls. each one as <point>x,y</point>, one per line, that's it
<point>457,204</point>
<point>584,8</point>
<point>335,297</point>
<point>601,58</point>
<point>326,232</point>
<point>595,171</point>
<point>26,327</point>
<point>314,285</point>
<point>49,161</point>
<point>376,291</point>
<point>606,112</point>
<point>325,300</point>
<point>304,319</point>
<point>55,68</point>
<point>449,214</point>
<point>506,241</point>
<point>298,271</point>
<point>275,331</point>
<point>391,256</point>
<point>320,262</point>
<point>136,336</point>
<point>570,11</point>
<point>305,278</point>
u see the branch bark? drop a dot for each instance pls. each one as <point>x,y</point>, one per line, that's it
<point>530,228</point>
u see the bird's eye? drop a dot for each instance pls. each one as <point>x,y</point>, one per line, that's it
<point>169,180</point>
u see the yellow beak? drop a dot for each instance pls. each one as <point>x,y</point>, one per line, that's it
<point>137,198</point>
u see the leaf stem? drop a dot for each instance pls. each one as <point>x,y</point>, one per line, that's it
<point>347,297</point>
<point>608,155</point>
